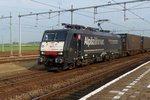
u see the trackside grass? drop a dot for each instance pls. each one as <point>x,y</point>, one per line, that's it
<point>7,47</point>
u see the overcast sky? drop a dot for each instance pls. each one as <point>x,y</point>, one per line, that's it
<point>138,17</point>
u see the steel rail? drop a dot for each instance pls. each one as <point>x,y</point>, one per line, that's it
<point>87,80</point>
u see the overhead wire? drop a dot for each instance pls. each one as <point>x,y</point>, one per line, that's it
<point>119,25</point>
<point>104,8</point>
<point>117,10</point>
<point>123,10</point>
<point>138,5</point>
<point>109,22</point>
<point>134,30</point>
<point>139,8</point>
<point>53,16</point>
<point>109,11</point>
<point>88,15</point>
<point>84,15</point>
<point>24,24</point>
<point>146,21</point>
<point>45,4</point>
<point>59,13</point>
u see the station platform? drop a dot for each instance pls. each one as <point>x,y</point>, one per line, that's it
<point>134,85</point>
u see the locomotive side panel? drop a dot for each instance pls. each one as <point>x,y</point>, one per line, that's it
<point>93,44</point>
<point>71,48</point>
<point>84,47</point>
<point>102,46</point>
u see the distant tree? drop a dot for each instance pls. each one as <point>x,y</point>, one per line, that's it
<point>15,43</point>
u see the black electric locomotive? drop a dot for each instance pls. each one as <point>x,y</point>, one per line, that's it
<point>77,45</point>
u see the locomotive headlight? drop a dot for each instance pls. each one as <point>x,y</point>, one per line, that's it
<point>60,53</point>
<point>42,52</point>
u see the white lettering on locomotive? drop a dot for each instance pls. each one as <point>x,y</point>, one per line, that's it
<point>93,41</point>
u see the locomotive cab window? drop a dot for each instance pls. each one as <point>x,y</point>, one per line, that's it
<point>55,36</point>
<point>75,35</point>
<point>49,37</point>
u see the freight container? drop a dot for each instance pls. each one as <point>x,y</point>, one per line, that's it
<point>130,44</point>
<point>146,43</point>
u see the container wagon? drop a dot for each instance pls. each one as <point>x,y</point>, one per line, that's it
<point>145,44</point>
<point>130,44</point>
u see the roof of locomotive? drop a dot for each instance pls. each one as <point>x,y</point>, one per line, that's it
<point>74,28</point>
<point>85,31</point>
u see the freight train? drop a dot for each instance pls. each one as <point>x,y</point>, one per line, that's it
<point>77,45</point>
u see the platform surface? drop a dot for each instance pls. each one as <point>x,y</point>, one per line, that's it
<point>135,85</point>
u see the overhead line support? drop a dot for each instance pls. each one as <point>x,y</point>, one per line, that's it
<point>20,53</point>
<point>11,40</point>
<point>75,9</point>
<point>125,12</point>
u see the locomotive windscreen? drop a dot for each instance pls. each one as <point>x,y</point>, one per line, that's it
<point>54,36</point>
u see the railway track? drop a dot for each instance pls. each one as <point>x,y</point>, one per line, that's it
<point>16,58</point>
<point>86,85</point>
<point>42,85</point>
<point>20,78</point>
